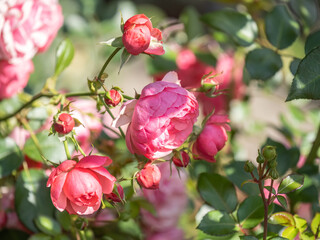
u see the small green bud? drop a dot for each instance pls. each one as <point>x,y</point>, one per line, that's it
<point>274,174</point>
<point>248,166</point>
<point>269,153</point>
<point>272,164</point>
<point>81,223</point>
<point>260,158</point>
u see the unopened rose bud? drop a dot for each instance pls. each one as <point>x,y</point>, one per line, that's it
<point>149,177</point>
<point>116,197</point>
<point>260,158</point>
<point>274,174</point>
<point>272,164</point>
<point>64,123</point>
<point>113,98</point>
<point>269,153</point>
<point>248,166</point>
<point>181,159</point>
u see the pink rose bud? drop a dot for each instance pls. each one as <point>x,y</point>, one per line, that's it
<point>181,159</point>
<point>28,27</point>
<point>77,187</point>
<point>212,138</point>
<point>14,77</point>
<point>209,84</point>
<point>149,177</point>
<point>113,98</point>
<point>139,36</point>
<point>163,118</point>
<point>64,124</point>
<point>116,197</point>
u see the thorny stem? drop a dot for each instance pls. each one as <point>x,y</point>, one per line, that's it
<point>108,61</point>
<point>314,149</point>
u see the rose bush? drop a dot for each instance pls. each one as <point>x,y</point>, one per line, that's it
<point>77,187</point>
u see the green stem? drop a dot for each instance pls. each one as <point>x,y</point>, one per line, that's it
<point>107,62</point>
<point>66,148</point>
<point>266,206</point>
<point>314,149</point>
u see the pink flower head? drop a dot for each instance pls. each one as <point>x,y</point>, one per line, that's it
<point>78,186</point>
<point>212,138</point>
<point>162,119</point>
<point>181,159</point>
<point>149,177</point>
<point>13,77</point>
<point>27,27</point>
<point>64,124</point>
<point>139,36</point>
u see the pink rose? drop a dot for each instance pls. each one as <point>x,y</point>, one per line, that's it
<point>13,77</point>
<point>64,124</point>
<point>149,177</point>
<point>163,118</point>
<point>78,186</point>
<point>212,138</point>
<point>27,27</point>
<point>172,233</point>
<point>139,36</point>
<point>113,98</point>
<point>169,201</point>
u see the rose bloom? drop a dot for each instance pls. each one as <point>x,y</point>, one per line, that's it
<point>149,177</point>
<point>14,77</point>
<point>77,187</point>
<point>163,118</point>
<point>139,36</point>
<point>169,201</point>
<point>27,27</point>
<point>212,138</point>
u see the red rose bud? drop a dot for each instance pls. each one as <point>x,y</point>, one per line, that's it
<point>139,36</point>
<point>181,159</point>
<point>149,177</point>
<point>64,124</point>
<point>113,98</point>
<point>209,84</point>
<point>116,197</point>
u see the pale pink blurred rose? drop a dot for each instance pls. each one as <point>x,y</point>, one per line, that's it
<point>212,138</point>
<point>103,217</point>
<point>14,77</point>
<point>302,161</point>
<point>304,210</point>
<point>230,78</point>
<point>107,122</point>
<point>86,112</point>
<point>27,27</point>
<point>172,233</point>
<point>275,186</point>
<point>169,201</point>
<point>163,118</point>
<point>19,135</point>
<point>77,187</point>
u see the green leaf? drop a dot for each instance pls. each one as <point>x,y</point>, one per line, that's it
<point>239,26</point>
<point>269,188</point>
<point>263,63</point>
<point>306,82</point>
<point>301,224</point>
<point>290,232</point>
<point>114,42</point>
<point>283,201</point>
<point>64,56</point>
<point>306,236</point>
<point>282,218</point>
<point>217,223</point>
<point>217,191</point>
<point>294,65</point>
<point>64,219</point>
<point>291,183</point>
<point>50,146</point>
<point>315,224</point>
<point>32,197</point>
<point>281,28</point>
<point>10,157</point>
<point>47,225</point>
<point>251,212</point>
<point>40,236</point>
<point>305,10</point>
<point>192,25</point>
<point>125,56</point>
<point>312,42</point>
<point>12,234</point>
<point>278,238</point>
<point>248,238</point>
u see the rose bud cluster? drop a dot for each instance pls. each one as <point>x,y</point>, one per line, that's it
<point>113,98</point>
<point>140,37</point>
<point>162,119</point>
<point>63,123</point>
<point>77,187</point>
<point>212,138</point>
<point>181,159</point>
<point>117,196</point>
<point>149,177</point>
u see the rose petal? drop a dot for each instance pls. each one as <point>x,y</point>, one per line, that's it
<point>85,210</point>
<point>58,197</point>
<point>106,179</point>
<point>125,114</point>
<point>94,161</point>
